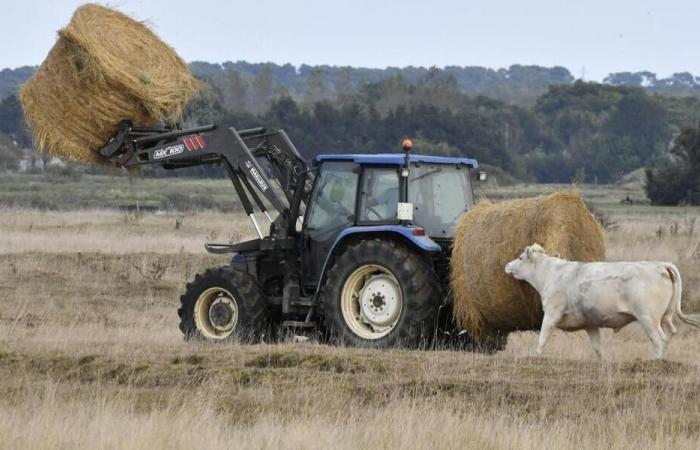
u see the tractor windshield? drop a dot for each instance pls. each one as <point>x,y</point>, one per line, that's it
<point>440,194</point>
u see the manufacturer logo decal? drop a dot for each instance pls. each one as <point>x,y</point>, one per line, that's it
<point>195,142</point>
<point>168,151</point>
<point>256,176</point>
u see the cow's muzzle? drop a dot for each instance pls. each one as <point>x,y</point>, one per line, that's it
<point>509,269</point>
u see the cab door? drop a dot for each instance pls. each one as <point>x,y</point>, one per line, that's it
<point>379,195</point>
<point>331,209</point>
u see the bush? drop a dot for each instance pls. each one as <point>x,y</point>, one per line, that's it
<point>677,180</point>
<point>180,201</point>
<point>63,172</point>
<point>9,155</point>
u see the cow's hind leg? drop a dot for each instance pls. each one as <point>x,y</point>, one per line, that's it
<point>667,324</point>
<point>656,335</point>
<point>594,337</point>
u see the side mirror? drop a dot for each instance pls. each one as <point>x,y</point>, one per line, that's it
<point>481,175</point>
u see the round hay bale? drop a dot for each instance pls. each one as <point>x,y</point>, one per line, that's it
<point>487,301</point>
<point>105,67</point>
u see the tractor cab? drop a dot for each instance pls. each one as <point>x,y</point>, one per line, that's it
<point>388,193</point>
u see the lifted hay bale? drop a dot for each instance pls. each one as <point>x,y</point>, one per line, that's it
<point>105,67</point>
<point>487,302</point>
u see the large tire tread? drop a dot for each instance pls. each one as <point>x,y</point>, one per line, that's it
<point>253,318</point>
<point>419,285</point>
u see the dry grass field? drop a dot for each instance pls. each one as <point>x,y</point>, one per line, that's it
<point>91,357</point>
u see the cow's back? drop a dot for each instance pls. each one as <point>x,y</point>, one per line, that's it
<point>611,294</point>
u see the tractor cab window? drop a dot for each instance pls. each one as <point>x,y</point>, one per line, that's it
<point>440,194</point>
<point>379,195</point>
<point>334,198</point>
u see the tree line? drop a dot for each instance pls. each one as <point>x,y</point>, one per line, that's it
<point>570,130</point>
<point>588,132</point>
<point>518,84</point>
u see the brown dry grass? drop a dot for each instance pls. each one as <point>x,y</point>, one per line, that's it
<point>91,357</point>
<point>36,231</point>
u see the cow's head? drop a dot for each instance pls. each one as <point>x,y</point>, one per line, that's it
<point>523,268</point>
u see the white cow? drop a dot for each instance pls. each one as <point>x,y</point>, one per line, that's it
<point>589,296</point>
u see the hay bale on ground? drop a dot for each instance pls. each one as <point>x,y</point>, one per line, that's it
<point>105,67</point>
<point>487,302</point>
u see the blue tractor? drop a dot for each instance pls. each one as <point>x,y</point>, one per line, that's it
<point>358,245</point>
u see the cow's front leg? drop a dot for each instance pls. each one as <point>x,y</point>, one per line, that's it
<point>548,323</point>
<point>594,337</point>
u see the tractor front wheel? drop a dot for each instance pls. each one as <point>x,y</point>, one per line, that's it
<point>380,293</point>
<point>222,304</point>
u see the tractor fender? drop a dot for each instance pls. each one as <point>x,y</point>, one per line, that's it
<point>406,233</point>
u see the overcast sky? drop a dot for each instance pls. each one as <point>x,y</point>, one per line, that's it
<point>593,37</point>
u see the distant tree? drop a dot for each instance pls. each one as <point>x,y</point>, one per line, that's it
<point>343,86</point>
<point>315,89</point>
<point>388,94</point>
<point>677,179</point>
<point>625,79</point>
<point>283,110</point>
<point>235,91</point>
<point>684,78</point>
<point>433,148</point>
<point>679,84</point>
<point>9,155</point>
<point>440,90</point>
<point>12,121</point>
<point>204,108</point>
<point>606,130</point>
<point>12,79</point>
<point>205,70</point>
<point>263,90</point>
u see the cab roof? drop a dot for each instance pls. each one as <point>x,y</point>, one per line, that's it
<point>396,158</point>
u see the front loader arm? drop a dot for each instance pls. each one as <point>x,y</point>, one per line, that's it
<point>236,150</point>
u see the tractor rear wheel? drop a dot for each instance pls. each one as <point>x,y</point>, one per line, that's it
<point>379,293</point>
<point>223,304</point>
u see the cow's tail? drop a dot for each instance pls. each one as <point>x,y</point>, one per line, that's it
<point>677,291</point>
